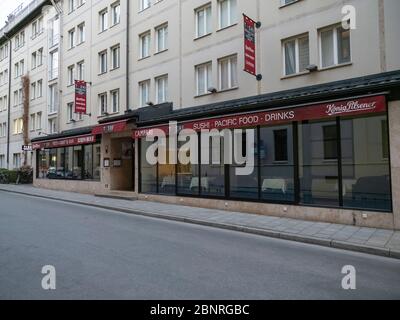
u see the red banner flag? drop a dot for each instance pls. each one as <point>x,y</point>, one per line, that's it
<point>80,96</point>
<point>249,45</point>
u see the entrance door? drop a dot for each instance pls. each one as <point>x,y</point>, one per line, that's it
<point>122,164</point>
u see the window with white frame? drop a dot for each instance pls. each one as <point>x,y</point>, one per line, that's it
<point>227,69</point>
<point>80,70</point>
<point>114,101</point>
<point>5,103</point>
<point>296,55</point>
<point>162,88</point>
<point>334,46</point>
<point>115,57</point>
<point>71,76</point>
<point>38,120</point>
<point>33,90</point>
<point>115,13</point>
<point>286,2</point>
<point>144,40</point>
<point>102,104</point>
<point>53,68</point>
<point>52,126</point>
<point>162,38</point>
<point>203,78</point>
<point>71,5</point>
<point>144,4</point>
<point>34,60</point>
<point>32,122</point>
<point>70,112</point>
<point>103,20</point>
<point>81,33</point>
<point>2,161</point>
<point>53,99</point>
<point>144,92</point>
<point>103,62</point>
<point>16,160</point>
<point>227,13</point>
<point>203,21</point>
<point>39,57</point>
<point>39,88</point>
<point>71,38</point>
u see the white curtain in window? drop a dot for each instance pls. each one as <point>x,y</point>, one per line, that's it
<point>327,48</point>
<point>290,57</point>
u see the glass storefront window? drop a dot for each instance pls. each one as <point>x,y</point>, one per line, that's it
<point>148,172</point>
<point>69,172</point>
<point>245,186</point>
<point>60,163</point>
<point>97,162</point>
<point>318,163</point>
<point>52,169</point>
<point>77,167</point>
<point>88,161</point>
<point>166,173</point>
<point>365,163</point>
<point>277,163</point>
<point>188,175</point>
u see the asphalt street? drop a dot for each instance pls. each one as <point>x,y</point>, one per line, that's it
<point>102,254</point>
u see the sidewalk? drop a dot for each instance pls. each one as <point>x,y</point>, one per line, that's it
<point>369,240</point>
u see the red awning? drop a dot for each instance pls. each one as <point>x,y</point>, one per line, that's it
<point>64,142</point>
<point>112,127</point>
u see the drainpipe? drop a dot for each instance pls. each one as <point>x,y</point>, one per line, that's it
<point>127,56</point>
<point>9,101</point>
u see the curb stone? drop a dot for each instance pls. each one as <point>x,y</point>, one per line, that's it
<point>385,252</point>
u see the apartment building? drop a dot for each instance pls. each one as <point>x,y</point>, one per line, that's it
<point>29,76</point>
<point>324,109</point>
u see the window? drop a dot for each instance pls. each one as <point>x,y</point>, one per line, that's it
<point>162,38</point>
<point>203,21</point>
<point>162,89</point>
<point>227,13</point>
<point>39,88</point>
<point>385,139</point>
<point>114,101</point>
<point>103,104</point>
<point>71,77</point>
<point>148,172</point>
<point>319,172</point>
<point>2,161</point>
<point>203,78</point>
<point>115,57</point>
<point>53,72</point>
<point>115,13</point>
<point>71,5</point>
<point>296,55</point>
<point>52,126</point>
<point>16,160</point>
<point>81,33</point>
<point>281,145</point>
<point>71,38</point>
<point>33,90</point>
<point>103,17</point>
<point>70,112</point>
<point>228,73</point>
<point>144,88</point>
<point>38,121</point>
<point>81,70</point>
<point>32,122</point>
<point>334,46</point>
<point>40,57</point>
<point>144,4</point>
<point>286,2</point>
<point>103,62</point>
<point>144,40</point>
<point>18,126</point>
<point>53,99</point>
<point>33,60</point>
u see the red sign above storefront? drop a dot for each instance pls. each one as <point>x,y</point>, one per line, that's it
<point>314,112</point>
<point>249,45</point>
<point>112,127</point>
<point>80,96</point>
<point>67,142</point>
<point>373,104</point>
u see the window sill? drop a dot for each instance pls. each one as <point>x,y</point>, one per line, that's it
<point>101,74</point>
<point>144,58</point>
<point>295,75</point>
<point>161,51</point>
<point>227,90</point>
<point>227,27</point>
<point>336,66</point>
<point>114,69</point>
<point>289,4</point>
<point>202,37</point>
<point>204,95</point>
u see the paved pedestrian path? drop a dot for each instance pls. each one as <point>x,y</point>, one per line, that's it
<point>369,240</point>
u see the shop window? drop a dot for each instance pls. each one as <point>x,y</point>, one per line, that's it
<point>277,163</point>
<point>319,182</point>
<point>244,186</point>
<point>97,162</point>
<point>187,174</point>
<point>366,173</point>
<point>385,139</point>
<point>212,180</point>
<point>60,168</point>
<point>69,171</point>
<point>148,172</point>
<point>88,161</point>
<point>77,169</point>
<point>166,172</point>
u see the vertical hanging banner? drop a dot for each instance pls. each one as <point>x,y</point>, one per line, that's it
<point>80,96</point>
<point>250,45</point>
